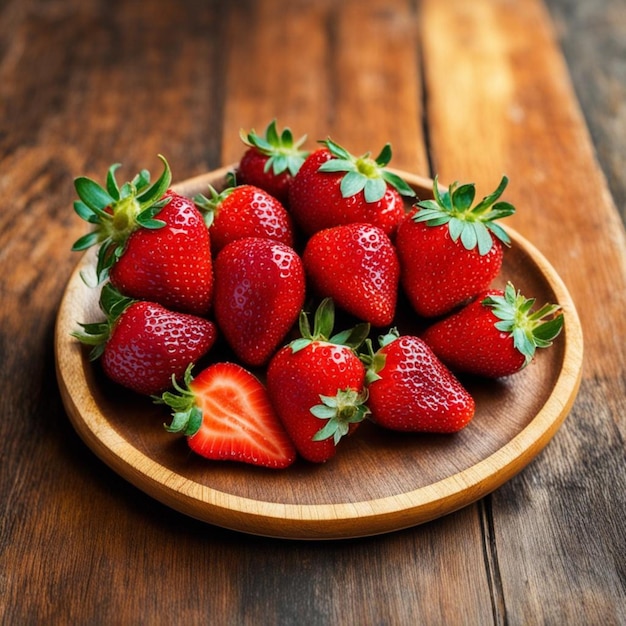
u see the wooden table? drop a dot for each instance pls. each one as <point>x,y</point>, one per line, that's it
<point>465,90</point>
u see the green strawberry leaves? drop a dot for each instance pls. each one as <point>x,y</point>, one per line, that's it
<point>94,198</point>
<point>374,361</point>
<point>364,173</point>
<point>345,408</point>
<point>529,330</point>
<point>285,154</point>
<point>96,334</point>
<point>209,207</point>
<point>117,211</point>
<point>324,321</point>
<point>472,225</point>
<point>186,415</point>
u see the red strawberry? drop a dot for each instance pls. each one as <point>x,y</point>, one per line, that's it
<point>449,252</point>
<point>411,390</point>
<point>333,187</point>
<point>226,415</point>
<point>153,243</point>
<point>143,344</point>
<point>495,335</point>
<point>356,265</point>
<point>271,161</point>
<point>244,211</point>
<point>316,385</point>
<point>259,291</point>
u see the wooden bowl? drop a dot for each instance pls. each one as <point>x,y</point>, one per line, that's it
<point>379,481</point>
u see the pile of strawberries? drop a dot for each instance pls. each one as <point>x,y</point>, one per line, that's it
<point>248,283</point>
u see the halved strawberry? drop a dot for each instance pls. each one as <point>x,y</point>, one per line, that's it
<point>226,415</point>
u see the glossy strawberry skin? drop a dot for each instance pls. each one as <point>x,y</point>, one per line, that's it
<point>251,171</point>
<point>249,211</point>
<point>259,291</point>
<point>316,202</point>
<point>468,341</point>
<point>239,422</point>
<point>171,265</point>
<point>439,274</point>
<point>149,344</point>
<point>357,266</point>
<point>295,381</point>
<point>416,392</point>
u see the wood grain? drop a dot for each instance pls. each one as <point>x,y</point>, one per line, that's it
<point>593,38</point>
<point>522,101</point>
<point>335,82</point>
<point>84,84</point>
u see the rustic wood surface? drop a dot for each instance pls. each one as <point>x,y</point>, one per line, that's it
<point>468,90</point>
<point>593,39</point>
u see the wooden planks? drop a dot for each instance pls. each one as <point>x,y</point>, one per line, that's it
<point>340,69</point>
<point>516,109</point>
<point>593,38</point>
<point>83,84</point>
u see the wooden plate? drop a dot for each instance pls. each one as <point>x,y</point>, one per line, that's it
<point>379,481</point>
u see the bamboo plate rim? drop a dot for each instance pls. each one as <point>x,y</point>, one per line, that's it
<point>314,521</point>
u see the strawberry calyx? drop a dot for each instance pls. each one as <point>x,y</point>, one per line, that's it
<point>324,321</point>
<point>345,408</point>
<point>374,360</point>
<point>116,212</point>
<point>473,225</point>
<point>364,173</point>
<point>96,334</point>
<point>209,206</point>
<point>186,415</point>
<point>529,330</point>
<point>285,154</point>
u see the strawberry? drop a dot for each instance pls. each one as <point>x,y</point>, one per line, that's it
<point>411,390</point>
<point>495,335</point>
<point>357,266</point>
<point>153,243</point>
<point>333,187</point>
<point>449,252</point>
<point>142,345</point>
<point>271,161</point>
<point>244,211</point>
<point>259,291</point>
<point>316,384</point>
<point>226,414</point>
